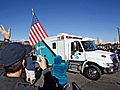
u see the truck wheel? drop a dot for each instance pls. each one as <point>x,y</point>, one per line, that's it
<point>92,72</point>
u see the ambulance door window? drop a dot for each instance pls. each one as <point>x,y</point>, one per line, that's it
<point>72,49</point>
<point>79,48</point>
<point>72,46</point>
<point>54,45</point>
<point>75,46</point>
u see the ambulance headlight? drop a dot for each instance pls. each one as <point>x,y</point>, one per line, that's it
<point>109,64</point>
<point>112,56</point>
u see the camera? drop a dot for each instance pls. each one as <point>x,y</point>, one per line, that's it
<point>34,57</point>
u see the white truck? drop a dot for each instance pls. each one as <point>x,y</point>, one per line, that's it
<point>82,55</point>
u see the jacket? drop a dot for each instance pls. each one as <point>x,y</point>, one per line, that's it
<point>15,83</point>
<point>59,69</point>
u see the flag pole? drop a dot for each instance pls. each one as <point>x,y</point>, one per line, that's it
<point>40,48</point>
<point>33,13</point>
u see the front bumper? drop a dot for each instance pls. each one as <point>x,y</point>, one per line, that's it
<point>111,69</point>
<point>115,65</point>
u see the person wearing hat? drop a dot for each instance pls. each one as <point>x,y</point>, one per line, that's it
<point>12,57</point>
<point>12,60</point>
<point>59,69</point>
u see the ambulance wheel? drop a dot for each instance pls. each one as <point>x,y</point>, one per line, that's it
<point>92,72</point>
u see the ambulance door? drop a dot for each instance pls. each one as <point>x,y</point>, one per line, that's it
<point>77,53</point>
<point>61,48</point>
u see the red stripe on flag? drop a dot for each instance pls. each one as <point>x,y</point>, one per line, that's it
<point>33,37</point>
<point>43,29</point>
<point>31,42</point>
<point>39,36</point>
<point>40,31</point>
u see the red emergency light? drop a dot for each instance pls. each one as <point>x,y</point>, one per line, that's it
<point>73,37</point>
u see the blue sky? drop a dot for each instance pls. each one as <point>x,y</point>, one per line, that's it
<point>88,18</point>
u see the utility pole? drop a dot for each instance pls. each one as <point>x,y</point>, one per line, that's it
<point>98,41</point>
<point>115,40</point>
<point>118,36</point>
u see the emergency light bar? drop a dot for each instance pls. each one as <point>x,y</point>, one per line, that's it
<point>63,36</point>
<point>71,37</point>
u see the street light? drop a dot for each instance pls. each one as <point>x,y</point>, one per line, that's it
<point>118,35</point>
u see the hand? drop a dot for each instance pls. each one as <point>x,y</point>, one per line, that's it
<point>42,63</point>
<point>65,58</point>
<point>5,34</point>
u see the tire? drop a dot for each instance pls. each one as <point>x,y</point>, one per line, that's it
<point>92,72</point>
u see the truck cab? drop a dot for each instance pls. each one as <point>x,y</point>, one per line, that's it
<point>93,62</point>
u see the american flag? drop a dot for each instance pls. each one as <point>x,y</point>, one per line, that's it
<point>37,32</point>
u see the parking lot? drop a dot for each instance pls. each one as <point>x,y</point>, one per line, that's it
<point>106,82</point>
<point>79,82</point>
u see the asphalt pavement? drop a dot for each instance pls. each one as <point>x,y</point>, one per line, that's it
<point>79,82</point>
<point>106,82</point>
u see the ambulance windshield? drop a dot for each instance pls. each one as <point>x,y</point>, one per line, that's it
<point>89,45</point>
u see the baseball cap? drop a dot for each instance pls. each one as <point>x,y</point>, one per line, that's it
<point>28,48</point>
<point>13,52</point>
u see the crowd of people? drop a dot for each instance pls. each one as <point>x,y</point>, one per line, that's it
<point>19,71</point>
<point>111,48</point>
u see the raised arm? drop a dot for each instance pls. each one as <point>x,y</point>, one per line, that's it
<point>42,62</point>
<point>5,34</point>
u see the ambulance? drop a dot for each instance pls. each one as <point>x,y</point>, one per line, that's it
<point>81,54</point>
